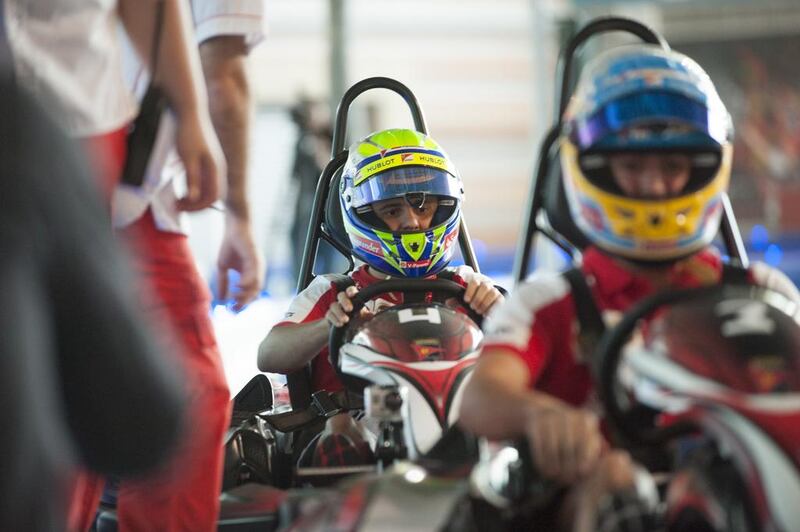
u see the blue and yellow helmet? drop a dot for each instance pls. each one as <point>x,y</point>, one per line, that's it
<point>400,163</point>
<point>641,98</point>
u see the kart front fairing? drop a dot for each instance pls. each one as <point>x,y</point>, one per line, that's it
<point>429,349</point>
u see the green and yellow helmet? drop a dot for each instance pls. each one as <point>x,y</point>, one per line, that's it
<point>400,163</point>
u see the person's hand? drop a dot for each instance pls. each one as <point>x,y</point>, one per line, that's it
<point>481,294</point>
<point>566,442</point>
<point>339,311</point>
<point>199,150</point>
<point>238,252</point>
<point>614,473</point>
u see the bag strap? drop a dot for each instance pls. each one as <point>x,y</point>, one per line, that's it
<point>590,321</point>
<point>6,62</point>
<point>159,20</point>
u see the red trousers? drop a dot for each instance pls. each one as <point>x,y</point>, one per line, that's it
<point>184,494</point>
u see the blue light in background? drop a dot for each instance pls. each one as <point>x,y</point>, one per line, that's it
<point>759,238</point>
<point>773,255</point>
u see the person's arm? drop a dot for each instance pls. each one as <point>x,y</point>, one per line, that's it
<point>522,337</point>
<point>225,70</point>
<point>565,441</point>
<point>289,347</point>
<point>497,401</point>
<point>179,74</point>
<point>223,60</point>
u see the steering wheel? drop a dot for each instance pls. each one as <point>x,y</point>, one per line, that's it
<point>406,286</point>
<point>608,355</point>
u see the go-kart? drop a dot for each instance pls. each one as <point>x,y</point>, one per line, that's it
<point>409,362</point>
<point>548,214</point>
<point>728,454</point>
<point>442,341</point>
<point>413,360</point>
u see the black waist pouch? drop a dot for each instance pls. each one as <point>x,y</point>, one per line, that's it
<point>142,136</point>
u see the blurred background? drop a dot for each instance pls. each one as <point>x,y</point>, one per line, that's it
<point>484,73</point>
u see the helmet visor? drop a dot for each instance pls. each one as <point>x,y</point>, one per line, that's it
<point>403,181</point>
<point>706,127</point>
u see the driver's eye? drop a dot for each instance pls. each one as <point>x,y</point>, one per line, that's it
<point>673,167</point>
<point>430,205</point>
<point>632,167</point>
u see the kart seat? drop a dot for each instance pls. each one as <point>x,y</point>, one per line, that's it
<point>299,382</point>
<point>333,222</point>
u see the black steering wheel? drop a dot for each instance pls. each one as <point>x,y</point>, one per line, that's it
<point>626,423</point>
<point>406,286</point>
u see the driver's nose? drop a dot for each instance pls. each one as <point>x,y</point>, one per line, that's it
<point>410,219</point>
<point>652,181</point>
<point>654,185</point>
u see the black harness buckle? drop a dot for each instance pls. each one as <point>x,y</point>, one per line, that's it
<point>325,404</point>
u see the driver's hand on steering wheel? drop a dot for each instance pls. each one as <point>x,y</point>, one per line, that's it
<point>566,442</point>
<point>481,294</point>
<point>339,312</point>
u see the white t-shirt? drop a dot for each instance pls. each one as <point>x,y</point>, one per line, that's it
<point>67,55</point>
<point>164,178</point>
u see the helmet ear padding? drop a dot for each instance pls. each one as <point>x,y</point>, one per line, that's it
<point>444,211</point>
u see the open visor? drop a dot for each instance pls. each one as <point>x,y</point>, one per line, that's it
<point>401,181</point>
<point>706,127</point>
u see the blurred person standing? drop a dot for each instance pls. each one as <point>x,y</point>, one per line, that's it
<point>83,383</point>
<point>312,151</point>
<point>185,496</point>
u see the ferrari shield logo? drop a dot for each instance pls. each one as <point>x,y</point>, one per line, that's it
<point>414,244</point>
